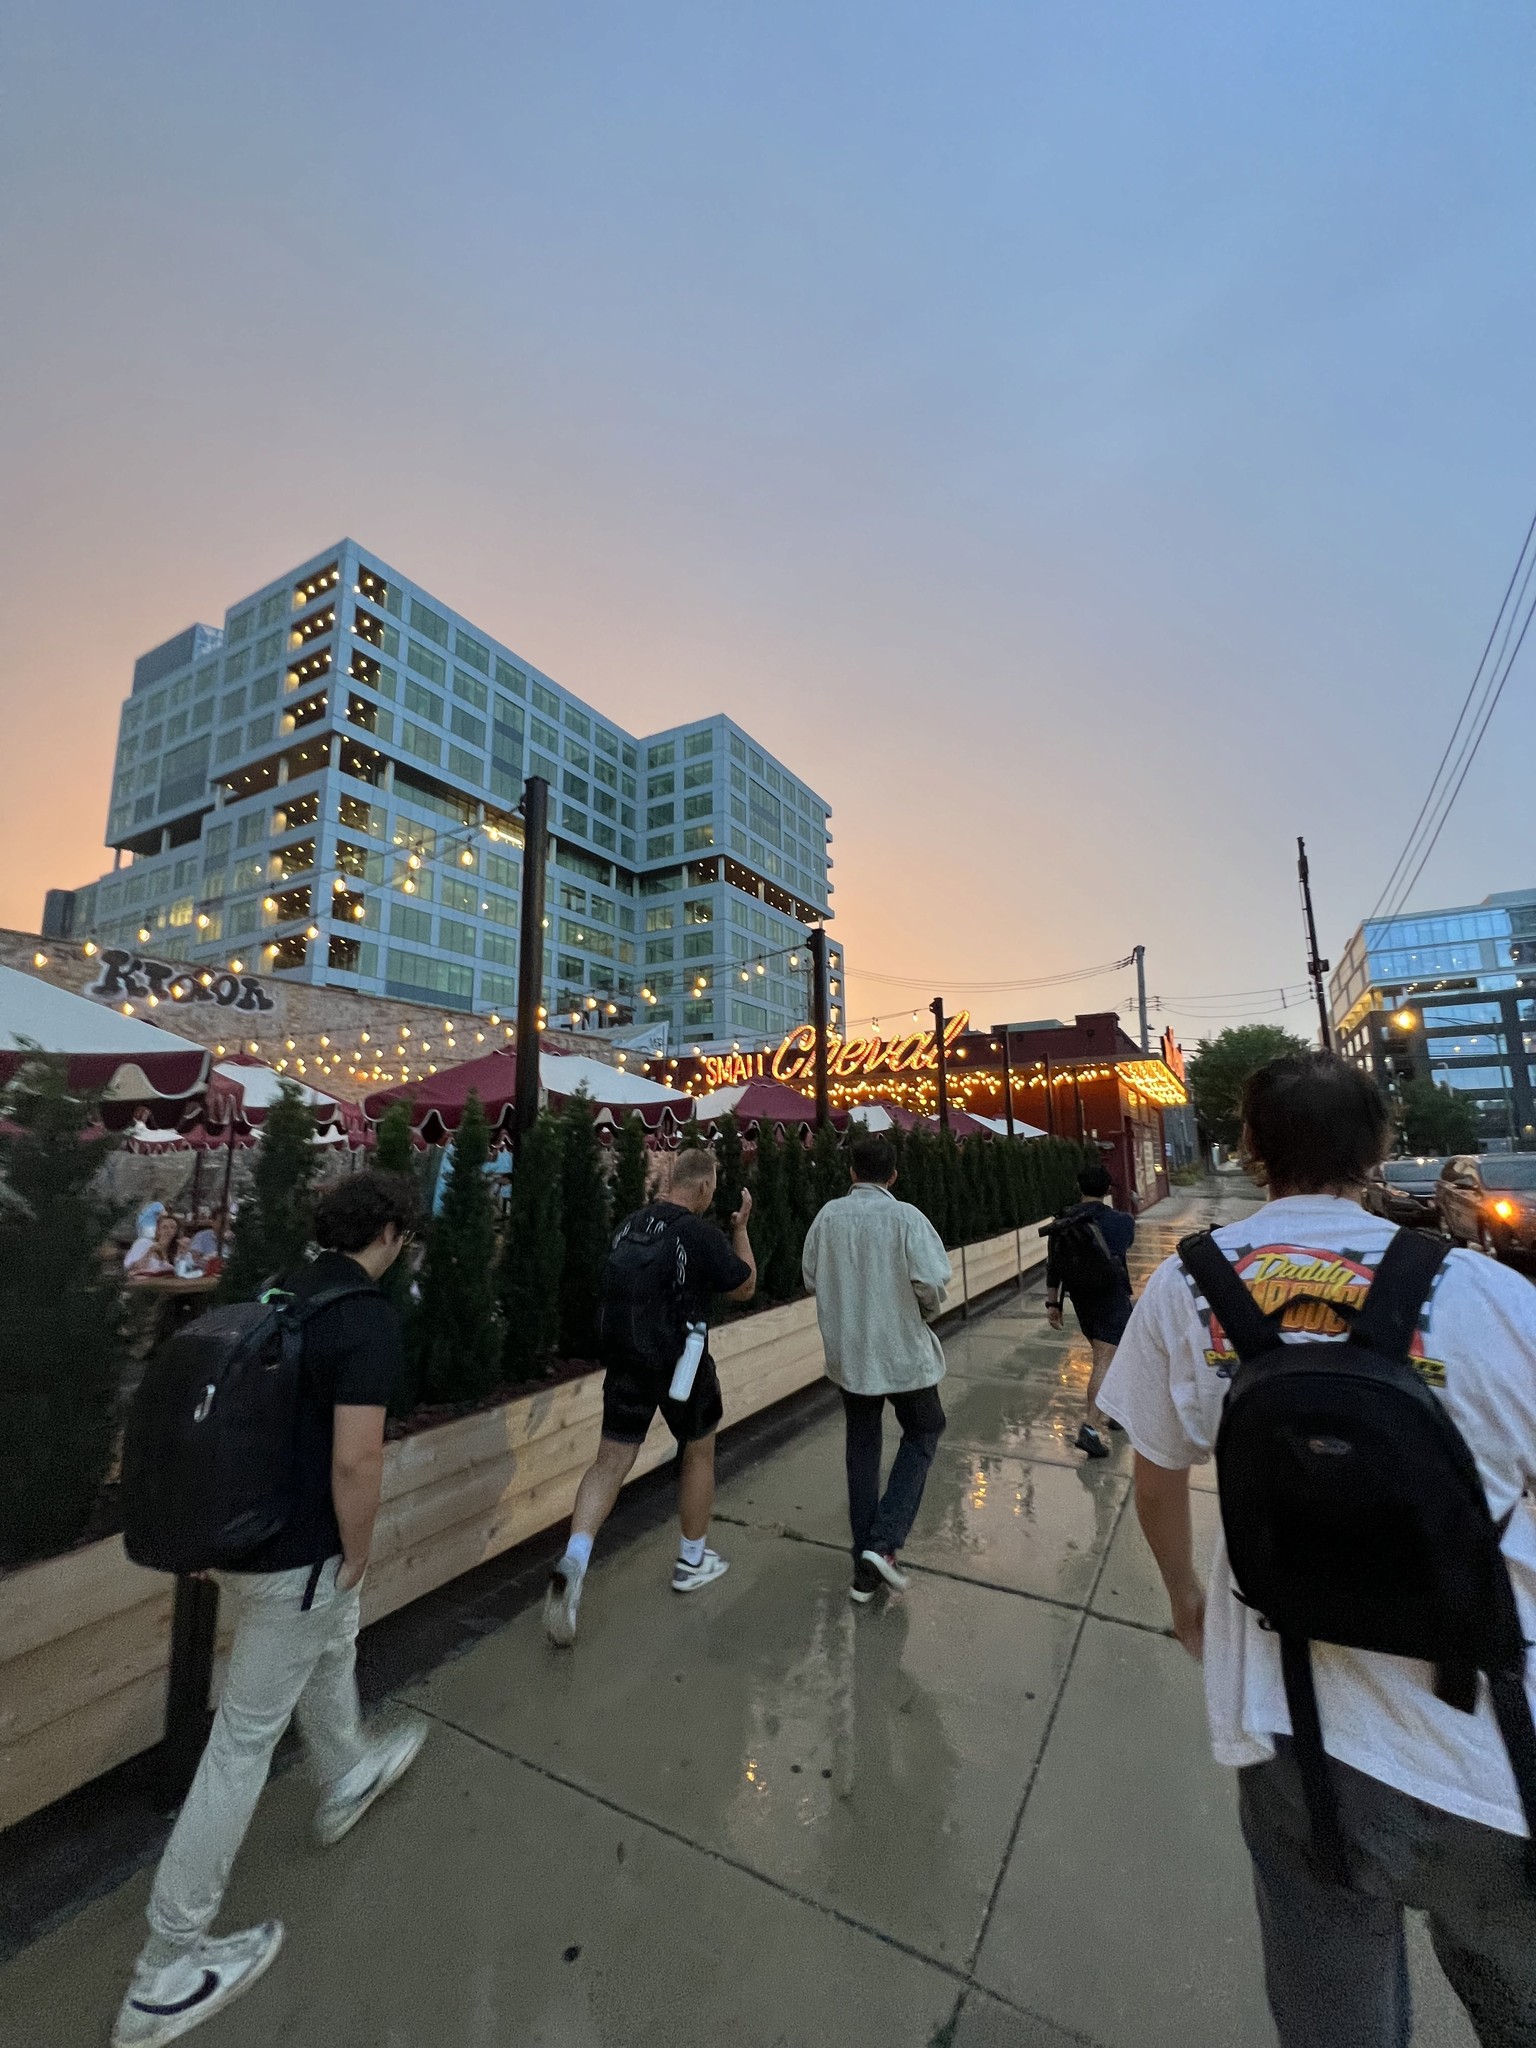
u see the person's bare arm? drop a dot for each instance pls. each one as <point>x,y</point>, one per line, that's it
<point>357,1474</point>
<point>741,1245</point>
<point>1162,1508</point>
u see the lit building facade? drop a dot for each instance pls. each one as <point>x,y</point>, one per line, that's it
<point>1449,996</point>
<point>324,790</point>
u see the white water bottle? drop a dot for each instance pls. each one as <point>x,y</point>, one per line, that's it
<point>688,1364</point>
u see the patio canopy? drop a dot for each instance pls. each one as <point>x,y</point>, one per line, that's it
<point>124,1059</point>
<point>437,1100</point>
<point>241,1089</point>
<point>762,1102</point>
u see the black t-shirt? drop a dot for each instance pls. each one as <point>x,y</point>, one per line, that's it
<point>710,1266</point>
<point>351,1359</point>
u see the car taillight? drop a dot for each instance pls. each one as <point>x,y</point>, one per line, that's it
<point>1505,1209</point>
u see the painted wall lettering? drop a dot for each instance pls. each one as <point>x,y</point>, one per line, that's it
<point>133,977</point>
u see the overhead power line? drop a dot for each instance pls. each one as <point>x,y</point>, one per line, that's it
<point>972,987</point>
<point>1472,720</point>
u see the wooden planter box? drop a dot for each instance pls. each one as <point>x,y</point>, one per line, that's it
<point>85,1638</point>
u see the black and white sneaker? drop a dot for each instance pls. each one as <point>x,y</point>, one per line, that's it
<point>866,1583</point>
<point>688,1578</point>
<point>884,1562</point>
<point>164,2004</point>
<point>1089,1440</point>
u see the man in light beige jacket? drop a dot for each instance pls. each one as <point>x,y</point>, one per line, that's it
<point>879,1271</point>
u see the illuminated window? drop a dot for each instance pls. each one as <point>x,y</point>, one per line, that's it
<point>316,586</point>
<point>313,627</point>
<point>371,585</point>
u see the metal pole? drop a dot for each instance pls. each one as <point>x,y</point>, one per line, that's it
<point>818,945</point>
<point>1317,967</point>
<point>937,1007</point>
<point>1050,1099</point>
<point>1141,996</point>
<point>194,1625</point>
<point>530,957</point>
<point>1008,1084</point>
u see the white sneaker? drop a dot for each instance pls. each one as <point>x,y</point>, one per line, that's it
<point>386,1765</point>
<point>164,2004</point>
<point>884,1562</point>
<point>561,1602</point>
<point>687,1578</point>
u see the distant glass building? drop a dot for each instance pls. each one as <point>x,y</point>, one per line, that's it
<point>324,789</point>
<point>1448,995</point>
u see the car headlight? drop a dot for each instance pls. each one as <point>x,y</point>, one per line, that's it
<point>1504,1210</point>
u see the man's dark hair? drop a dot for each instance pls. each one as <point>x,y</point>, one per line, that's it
<point>349,1216</point>
<point>872,1157</point>
<point>1314,1121</point>
<point>1093,1179</point>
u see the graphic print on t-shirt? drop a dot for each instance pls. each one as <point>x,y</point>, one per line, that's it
<point>1304,1282</point>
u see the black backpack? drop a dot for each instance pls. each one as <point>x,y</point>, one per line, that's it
<point>1089,1270</point>
<point>1354,1514</point>
<point>209,1449</point>
<point>640,1316</point>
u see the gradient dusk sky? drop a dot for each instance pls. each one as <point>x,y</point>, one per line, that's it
<point>1088,442</point>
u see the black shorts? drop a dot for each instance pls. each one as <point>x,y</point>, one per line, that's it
<point>632,1392</point>
<point>1104,1318</point>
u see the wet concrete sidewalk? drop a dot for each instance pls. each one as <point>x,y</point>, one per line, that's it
<point>982,1814</point>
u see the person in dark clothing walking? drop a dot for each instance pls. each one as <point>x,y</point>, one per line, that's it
<point>294,1651</point>
<point>1088,1244</point>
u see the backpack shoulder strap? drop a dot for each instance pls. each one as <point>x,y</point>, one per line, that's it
<point>1390,1314</point>
<point>1252,1333</point>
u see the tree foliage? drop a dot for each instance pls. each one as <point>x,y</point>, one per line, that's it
<point>533,1253</point>
<point>1436,1119</point>
<point>584,1221</point>
<point>272,1226</point>
<point>61,1354</point>
<point>1221,1066</point>
<point>458,1339</point>
<point>632,1165</point>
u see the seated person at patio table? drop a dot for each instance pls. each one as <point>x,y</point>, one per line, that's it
<point>208,1238</point>
<point>185,1262</point>
<point>153,1257</point>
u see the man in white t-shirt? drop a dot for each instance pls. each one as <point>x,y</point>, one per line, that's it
<point>1429,1808</point>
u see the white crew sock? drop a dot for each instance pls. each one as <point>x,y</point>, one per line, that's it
<point>691,1550</point>
<point>578,1552</point>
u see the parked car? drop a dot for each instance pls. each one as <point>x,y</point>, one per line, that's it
<point>1403,1190</point>
<point>1489,1199</point>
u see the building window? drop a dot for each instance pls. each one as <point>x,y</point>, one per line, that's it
<point>574,786</point>
<point>699,1016</point>
<point>698,743</point>
<point>511,678</point>
<point>545,700</point>
<point>659,949</point>
<point>468,767</point>
<point>307,713</point>
<point>500,947</point>
<point>475,652</point>
<point>662,756</point>
<point>468,727</point>
<point>697,837</point>
<point>659,848</point>
<point>419,975</point>
<point>573,821</point>
<point>698,774</point>
<point>661,785</point>
<point>314,626</point>
<point>455,937</point>
<point>375,632</point>
<point>422,702</point>
<point>426,663</point>
<point>316,586</point>
<point>372,585</point>
<point>698,806</point>
<point>406,921</point>
<point>426,746</point>
<point>698,945</point>
<point>345,954</point>
<point>432,624</point>
<point>310,669</point>
<point>659,814</point>
<point>471,689</point>
<point>296,859</point>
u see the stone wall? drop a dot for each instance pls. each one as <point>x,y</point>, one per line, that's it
<point>280,1020</point>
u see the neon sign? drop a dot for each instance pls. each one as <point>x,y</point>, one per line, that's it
<point>917,1053</point>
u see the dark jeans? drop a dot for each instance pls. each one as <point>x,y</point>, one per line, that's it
<point>885,1524</point>
<point>1334,1963</point>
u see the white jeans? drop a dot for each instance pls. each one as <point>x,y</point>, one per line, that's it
<point>287,1662</point>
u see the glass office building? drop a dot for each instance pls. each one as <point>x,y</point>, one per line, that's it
<point>1448,995</point>
<point>325,789</point>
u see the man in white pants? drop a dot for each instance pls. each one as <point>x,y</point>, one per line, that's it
<point>295,1643</point>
